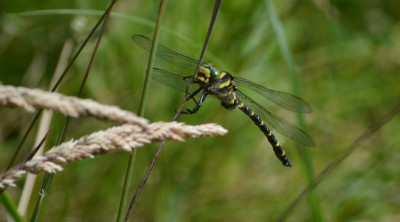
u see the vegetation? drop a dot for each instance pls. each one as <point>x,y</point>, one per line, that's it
<point>345,56</point>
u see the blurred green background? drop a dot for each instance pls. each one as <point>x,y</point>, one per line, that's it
<point>347,58</point>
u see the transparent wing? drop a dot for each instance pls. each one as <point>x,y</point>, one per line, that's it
<point>166,53</point>
<point>282,126</point>
<point>285,100</point>
<point>172,79</point>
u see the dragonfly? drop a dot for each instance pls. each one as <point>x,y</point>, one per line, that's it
<point>228,90</point>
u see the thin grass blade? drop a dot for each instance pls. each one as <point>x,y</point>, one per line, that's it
<point>145,90</point>
<point>284,48</point>
<point>328,169</point>
<point>47,181</point>
<point>143,182</point>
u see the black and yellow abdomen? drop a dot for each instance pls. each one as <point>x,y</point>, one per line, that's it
<point>222,85</point>
<point>279,152</point>
<point>225,90</point>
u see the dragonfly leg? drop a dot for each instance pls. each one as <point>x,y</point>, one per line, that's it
<point>197,107</point>
<point>192,95</point>
<point>195,80</point>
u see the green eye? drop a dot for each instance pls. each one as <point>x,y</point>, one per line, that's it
<point>213,72</point>
<point>222,85</point>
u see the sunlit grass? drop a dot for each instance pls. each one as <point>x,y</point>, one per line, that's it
<point>345,56</point>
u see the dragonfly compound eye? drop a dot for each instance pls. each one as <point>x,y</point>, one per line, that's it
<point>213,72</point>
<point>222,85</point>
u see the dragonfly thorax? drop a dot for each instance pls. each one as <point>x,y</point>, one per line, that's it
<point>208,73</point>
<point>222,85</point>
<point>224,89</point>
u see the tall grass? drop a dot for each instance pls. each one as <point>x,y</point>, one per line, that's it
<point>344,54</point>
<point>305,151</point>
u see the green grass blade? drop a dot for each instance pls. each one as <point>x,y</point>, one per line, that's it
<point>47,181</point>
<point>9,206</point>
<point>149,69</point>
<point>349,150</point>
<point>125,189</point>
<point>276,24</point>
<point>143,100</point>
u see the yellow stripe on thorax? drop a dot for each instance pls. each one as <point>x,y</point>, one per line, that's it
<point>222,75</point>
<point>205,71</point>
<point>226,94</point>
<point>232,101</point>
<point>227,83</point>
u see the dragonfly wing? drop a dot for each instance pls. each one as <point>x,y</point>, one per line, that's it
<point>166,53</point>
<point>282,126</point>
<point>172,79</point>
<point>282,99</point>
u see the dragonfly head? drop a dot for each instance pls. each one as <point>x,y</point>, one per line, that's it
<point>209,72</point>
